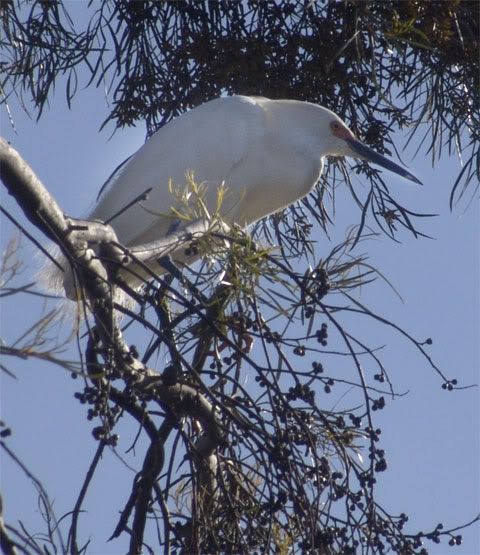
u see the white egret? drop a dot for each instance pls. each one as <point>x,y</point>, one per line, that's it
<point>267,154</point>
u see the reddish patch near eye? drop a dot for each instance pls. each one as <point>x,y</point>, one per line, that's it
<point>341,131</point>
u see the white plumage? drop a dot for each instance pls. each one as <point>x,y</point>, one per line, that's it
<point>267,154</point>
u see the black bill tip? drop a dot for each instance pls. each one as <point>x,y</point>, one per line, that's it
<point>359,150</point>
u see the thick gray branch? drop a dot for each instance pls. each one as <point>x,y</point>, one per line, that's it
<point>36,202</point>
<point>74,236</point>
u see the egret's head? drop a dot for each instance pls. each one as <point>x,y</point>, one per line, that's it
<point>344,143</point>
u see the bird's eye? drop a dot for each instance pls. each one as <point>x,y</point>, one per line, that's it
<point>335,125</point>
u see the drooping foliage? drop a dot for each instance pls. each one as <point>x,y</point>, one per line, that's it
<point>379,65</point>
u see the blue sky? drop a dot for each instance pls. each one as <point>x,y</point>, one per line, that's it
<point>431,436</point>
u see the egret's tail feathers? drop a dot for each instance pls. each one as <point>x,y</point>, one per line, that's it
<point>51,276</point>
<point>59,279</point>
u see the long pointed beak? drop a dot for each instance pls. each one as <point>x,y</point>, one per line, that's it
<point>363,151</point>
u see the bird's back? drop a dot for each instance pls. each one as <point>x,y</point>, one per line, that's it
<point>209,141</point>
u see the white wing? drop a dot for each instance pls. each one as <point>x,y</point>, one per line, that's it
<point>210,141</point>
